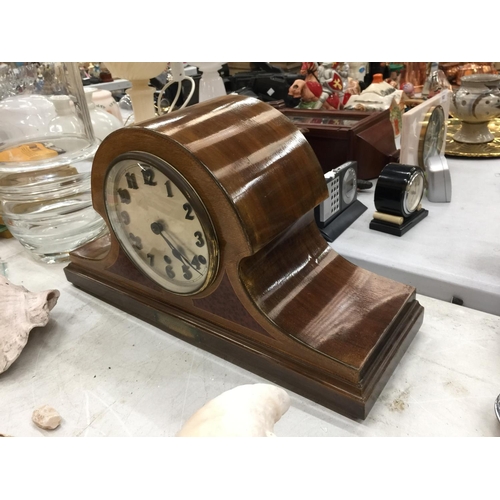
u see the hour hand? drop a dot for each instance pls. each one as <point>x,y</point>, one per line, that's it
<point>157,228</point>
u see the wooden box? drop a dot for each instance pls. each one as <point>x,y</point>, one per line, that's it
<point>340,136</point>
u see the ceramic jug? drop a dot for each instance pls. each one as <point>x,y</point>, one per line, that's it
<point>475,104</point>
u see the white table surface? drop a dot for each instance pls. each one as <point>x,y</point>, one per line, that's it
<point>453,252</point>
<point>110,374</point>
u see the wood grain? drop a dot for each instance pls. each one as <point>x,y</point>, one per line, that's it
<point>283,304</point>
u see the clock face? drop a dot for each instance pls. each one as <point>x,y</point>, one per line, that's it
<point>414,192</point>
<point>349,186</point>
<point>161,223</point>
<point>432,135</point>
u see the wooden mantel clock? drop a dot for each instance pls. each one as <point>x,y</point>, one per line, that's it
<point>213,239</point>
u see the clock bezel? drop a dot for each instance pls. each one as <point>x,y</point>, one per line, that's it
<point>411,180</point>
<point>348,199</point>
<point>192,197</point>
<point>429,116</point>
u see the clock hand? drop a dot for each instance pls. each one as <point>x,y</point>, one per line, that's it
<point>157,228</point>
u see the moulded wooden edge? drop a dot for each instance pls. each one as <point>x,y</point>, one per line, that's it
<point>250,355</point>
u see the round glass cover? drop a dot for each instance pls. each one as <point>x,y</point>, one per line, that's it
<point>414,193</point>
<point>161,223</point>
<point>349,185</point>
<point>433,138</point>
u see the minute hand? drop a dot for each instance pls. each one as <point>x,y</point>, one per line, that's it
<point>157,228</point>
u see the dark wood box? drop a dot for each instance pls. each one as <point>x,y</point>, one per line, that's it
<point>340,136</point>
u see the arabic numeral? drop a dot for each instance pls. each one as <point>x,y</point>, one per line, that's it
<point>168,185</point>
<point>136,241</point>
<point>131,181</point>
<point>124,196</point>
<point>125,218</point>
<point>186,272</point>
<point>151,258</point>
<point>148,175</point>
<point>200,241</point>
<point>188,208</point>
<point>170,272</point>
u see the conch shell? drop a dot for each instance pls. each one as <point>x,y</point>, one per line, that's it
<point>244,411</point>
<point>20,312</point>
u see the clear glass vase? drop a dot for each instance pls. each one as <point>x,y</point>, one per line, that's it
<point>47,144</point>
<point>28,109</point>
<point>50,212</point>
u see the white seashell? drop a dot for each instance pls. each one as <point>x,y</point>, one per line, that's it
<point>245,411</point>
<point>20,311</point>
<point>46,418</point>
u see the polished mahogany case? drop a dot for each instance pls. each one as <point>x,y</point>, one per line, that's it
<point>283,304</point>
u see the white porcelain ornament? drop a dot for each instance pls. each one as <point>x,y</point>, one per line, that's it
<point>20,312</point>
<point>475,104</point>
<point>245,411</point>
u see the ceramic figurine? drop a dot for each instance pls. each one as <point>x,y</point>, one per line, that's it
<point>475,104</point>
<point>334,84</point>
<point>306,93</point>
<point>21,311</point>
<point>103,122</point>
<point>245,411</point>
<point>309,70</point>
<point>300,91</point>
<point>357,70</point>
<point>409,89</point>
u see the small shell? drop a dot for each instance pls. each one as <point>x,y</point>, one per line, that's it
<point>20,311</point>
<point>46,418</point>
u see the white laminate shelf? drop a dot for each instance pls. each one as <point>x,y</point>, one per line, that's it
<point>110,374</point>
<point>453,252</point>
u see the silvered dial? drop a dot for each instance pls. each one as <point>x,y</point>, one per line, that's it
<point>414,193</point>
<point>161,223</point>
<point>432,135</point>
<point>349,185</point>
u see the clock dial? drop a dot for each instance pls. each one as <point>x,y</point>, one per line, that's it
<point>161,223</point>
<point>349,186</point>
<point>432,135</point>
<point>414,192</point>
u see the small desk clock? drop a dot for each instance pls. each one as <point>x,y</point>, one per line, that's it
<point>398,196</point>
<point>423,143</point>
<point>212,238</point>
<point>335,214</point>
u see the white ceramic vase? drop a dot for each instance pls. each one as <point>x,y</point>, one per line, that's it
<point>475,104</point>
<point>103,122</point>
<point>66,122</point>
<point>211,83</point>
<point>103,99</point>
<point>141,93</point>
